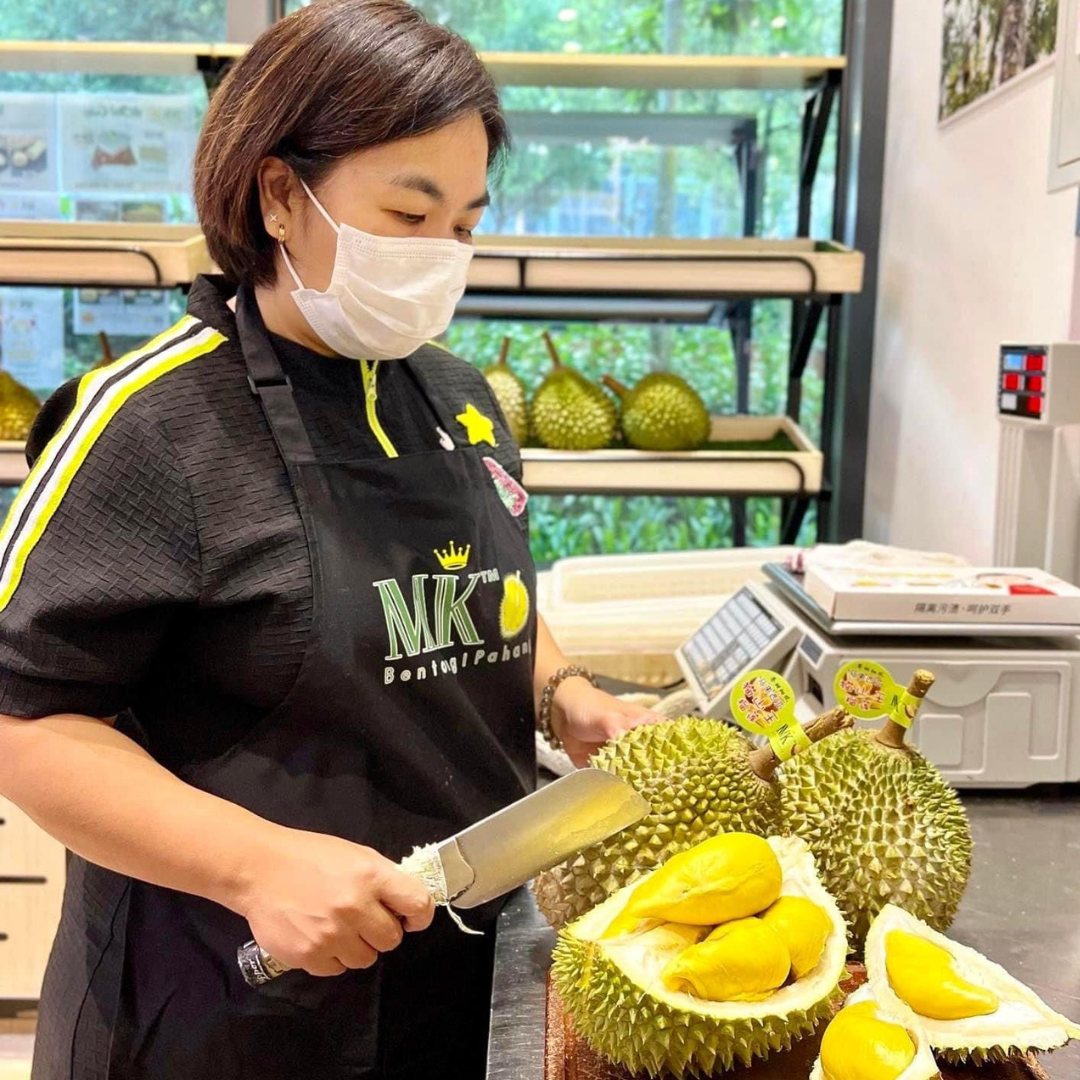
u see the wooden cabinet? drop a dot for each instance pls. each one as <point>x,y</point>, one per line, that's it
<point>31,889</point>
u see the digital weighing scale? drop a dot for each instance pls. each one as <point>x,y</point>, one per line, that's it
<point>1004,710</point>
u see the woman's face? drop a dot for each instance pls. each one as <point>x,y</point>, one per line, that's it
<point>433,185</point>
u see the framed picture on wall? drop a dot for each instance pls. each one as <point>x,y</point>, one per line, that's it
<point>986,44</point>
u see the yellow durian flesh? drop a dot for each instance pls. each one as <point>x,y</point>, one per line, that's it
<point>743,960</point>
<point>728,877</point>
<point>803,926</point>
<point>859,1045</point>
<point>924,976</point>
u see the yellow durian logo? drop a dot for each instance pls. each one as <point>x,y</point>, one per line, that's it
<point>514,609</point>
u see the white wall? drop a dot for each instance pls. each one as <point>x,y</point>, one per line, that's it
<point>973,252</point>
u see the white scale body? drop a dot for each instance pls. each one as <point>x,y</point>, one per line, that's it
<point>1004,712</point>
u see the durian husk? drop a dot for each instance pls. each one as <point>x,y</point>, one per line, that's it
<point>979,1040</point>
<point>700,777</point>
<point>885,827</point>
<point>697,777</point>
<point>651,1029</point>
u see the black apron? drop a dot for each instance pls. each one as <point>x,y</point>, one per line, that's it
<point>411,718</point>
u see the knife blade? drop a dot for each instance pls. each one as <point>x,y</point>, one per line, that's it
<point>513,845</point>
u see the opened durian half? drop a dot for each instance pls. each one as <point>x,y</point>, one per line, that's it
<point>969,1007</point>
<point>864,1041</point>
<point>694,968</point>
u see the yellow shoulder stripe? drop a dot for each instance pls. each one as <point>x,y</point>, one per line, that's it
<point>101,395</point>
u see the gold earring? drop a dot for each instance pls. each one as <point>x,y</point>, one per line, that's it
<point>281,234</point>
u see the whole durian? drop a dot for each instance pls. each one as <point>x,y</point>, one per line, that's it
<point>509,391</point>
<point>18,408</point>
<point>678,999</point>
<point>700,777</point>
<point>569,412</point>
<point>662,412</point>
<point>884,825</point>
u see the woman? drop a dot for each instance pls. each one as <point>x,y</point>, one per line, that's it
<point>265,606</point>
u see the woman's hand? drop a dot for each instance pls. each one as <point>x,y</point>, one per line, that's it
<point>325,905</point>
<point>585,718</point>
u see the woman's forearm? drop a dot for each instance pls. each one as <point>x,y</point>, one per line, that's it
<point>549,658</point>
<point>106,799</point>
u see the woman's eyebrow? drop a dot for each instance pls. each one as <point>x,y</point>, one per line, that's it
<point>427,186</point>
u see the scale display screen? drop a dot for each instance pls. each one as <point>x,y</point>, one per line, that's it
<point>737,634</point>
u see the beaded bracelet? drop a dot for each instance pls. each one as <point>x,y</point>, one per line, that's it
<point>543,716</point>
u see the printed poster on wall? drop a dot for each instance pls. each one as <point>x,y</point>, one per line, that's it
<point>987,43</point>
<point>128,142</point>
<point>32,336</point>
<point>28,143</point>
<point>142,313</point>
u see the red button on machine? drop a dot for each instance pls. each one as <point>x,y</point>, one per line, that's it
<point>1011,382</point>
<point>1035,383</point>
<point>1034,406</point>
<point>1034,362</point>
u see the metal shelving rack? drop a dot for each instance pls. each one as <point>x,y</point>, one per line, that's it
<point>660,280</point>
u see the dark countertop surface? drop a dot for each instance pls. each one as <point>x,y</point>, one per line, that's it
<point>1021,908</point>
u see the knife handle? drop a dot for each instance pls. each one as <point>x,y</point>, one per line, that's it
<point>257,966</point>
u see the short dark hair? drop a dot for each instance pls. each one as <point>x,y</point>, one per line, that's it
<point>328,80</point>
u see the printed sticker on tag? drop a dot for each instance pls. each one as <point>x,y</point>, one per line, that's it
<point>514,496</point>
<point>763,703</point>
<point>868,690</point>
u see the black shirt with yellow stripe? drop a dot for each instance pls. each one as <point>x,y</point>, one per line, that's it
<point>156,561</point>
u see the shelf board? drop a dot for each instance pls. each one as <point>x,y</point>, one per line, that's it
<point>13,467</point>
<point>698,472</point>
<point>140,256</point>
<point>612,70</point>
<point>105,254</point>
<point>664,267</point>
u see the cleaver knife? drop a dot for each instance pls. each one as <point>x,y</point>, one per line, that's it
<point>507,849</point>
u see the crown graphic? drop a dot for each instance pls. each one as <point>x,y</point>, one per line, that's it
<point>454,558</point>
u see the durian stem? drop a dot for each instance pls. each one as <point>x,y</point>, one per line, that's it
<point>893,734</point>
<point>615,386</point>
<point>764,760</point>
<point>504,351</point>
<point>552,351</point>
<point>106,349</point>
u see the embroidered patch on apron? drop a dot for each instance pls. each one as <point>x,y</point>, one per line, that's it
<point>477,426</point>
<point>514,496</point>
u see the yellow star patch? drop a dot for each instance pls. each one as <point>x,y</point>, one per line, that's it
<point>477,426</point>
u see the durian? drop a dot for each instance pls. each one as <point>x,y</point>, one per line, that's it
<point>662,412</point>
<point>18,409</point>
<point>866,1042</point>
<point>969,1007</point>
<point>884,825</point>
<point>509,391</point>
<point>701,778</point>
<point>627,996</point>
<point>569,412</point>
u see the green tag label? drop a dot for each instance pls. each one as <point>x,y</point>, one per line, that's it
<point>867,690</point>
<point>763,703</point>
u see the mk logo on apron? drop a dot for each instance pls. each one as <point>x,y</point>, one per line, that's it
<point>439,619</point>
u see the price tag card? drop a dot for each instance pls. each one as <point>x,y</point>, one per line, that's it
<point>763,703</point>
<point>867,690</point>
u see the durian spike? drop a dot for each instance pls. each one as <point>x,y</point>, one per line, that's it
<point>764,760</point>
<point>892,734</point>
<point>615,386</point>
<point>504,351</point>
<point>552,351</point>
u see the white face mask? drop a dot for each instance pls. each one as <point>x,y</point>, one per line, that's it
<point>387,295</point>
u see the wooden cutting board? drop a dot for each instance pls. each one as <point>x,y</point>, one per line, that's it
<point>567,1057</point>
